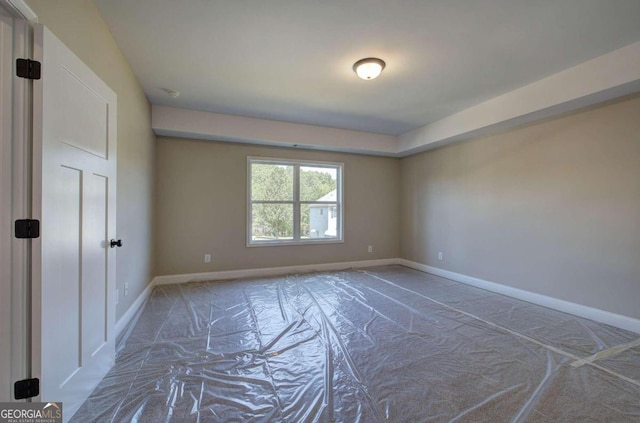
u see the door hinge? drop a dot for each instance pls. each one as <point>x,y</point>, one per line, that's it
<point>30,69</point>
<point>27,388</point>
<point>27,228</point>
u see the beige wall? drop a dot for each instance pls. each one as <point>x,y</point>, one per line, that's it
<point>79,25</point>
<point>201,208</point>
<point>552,208</point>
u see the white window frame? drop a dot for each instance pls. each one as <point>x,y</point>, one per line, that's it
<point>297,240</point>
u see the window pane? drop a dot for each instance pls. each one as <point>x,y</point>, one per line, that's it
<point>272,182</point>
<point>319,221</point>
<point>271,222</point>
<point>318,183</point>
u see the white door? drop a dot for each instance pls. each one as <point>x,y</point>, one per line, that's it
<point>73,264</point>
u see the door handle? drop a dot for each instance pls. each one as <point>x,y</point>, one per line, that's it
<point>115,243</point>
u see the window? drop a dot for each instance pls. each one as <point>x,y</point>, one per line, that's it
<point>293,202</point>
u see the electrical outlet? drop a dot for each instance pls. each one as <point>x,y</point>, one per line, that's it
<point>440,255</point>
<point>370,248</point>
<point>117,296</point>
<point>126,289</point>
<point>207,258</point>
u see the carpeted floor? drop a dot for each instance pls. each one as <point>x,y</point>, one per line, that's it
<point>386,344</point>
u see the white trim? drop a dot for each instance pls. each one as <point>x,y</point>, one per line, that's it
<point>269,271</point>
<point>598,315</point>
<point>36,210</point>
<point>611,75</point>
<point>6,169</point>
<point>235,274</point>
<point>295,202</point>
<point>20,9</point>
<point>620,321</point>
<point>133,309</point>
<point>290,161</point>
<point>18,201</point>
<point>282,243</point>
<point>195,124</point>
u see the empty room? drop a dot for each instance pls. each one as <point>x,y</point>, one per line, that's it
<point>320,211</point>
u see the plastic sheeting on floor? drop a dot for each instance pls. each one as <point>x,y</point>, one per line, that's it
<point>385,344</point>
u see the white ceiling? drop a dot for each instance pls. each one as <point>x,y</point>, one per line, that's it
<point>290,60</point>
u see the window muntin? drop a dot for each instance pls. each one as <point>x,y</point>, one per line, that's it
<point>293,202</point>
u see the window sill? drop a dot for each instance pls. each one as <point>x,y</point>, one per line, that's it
<point>286,243</point>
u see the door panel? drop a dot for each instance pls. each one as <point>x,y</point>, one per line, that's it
<point>94,295</point>
<point>85,115</point>
<point>74,267</point>
<point>61,275</point>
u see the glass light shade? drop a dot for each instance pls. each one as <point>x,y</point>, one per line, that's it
<point>368,68</point>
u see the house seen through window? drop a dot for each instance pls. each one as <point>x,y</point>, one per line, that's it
<point>292,201</point>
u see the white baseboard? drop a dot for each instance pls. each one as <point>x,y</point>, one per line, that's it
<point>133,309</point>
<point>598,315</point>
<point>235,274</point>
<point>269,271</point>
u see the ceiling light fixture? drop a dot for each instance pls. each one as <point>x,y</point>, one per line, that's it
<point>171,93</point>
<point>368,68</point>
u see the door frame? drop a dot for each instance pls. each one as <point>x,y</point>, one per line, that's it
<point>6,124</point>
<point>16,202</point>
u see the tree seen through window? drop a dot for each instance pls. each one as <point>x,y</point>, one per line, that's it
<point>293,201</point>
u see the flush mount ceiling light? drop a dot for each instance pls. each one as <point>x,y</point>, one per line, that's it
<point>171,93</point>
<point>368,68</point>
